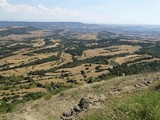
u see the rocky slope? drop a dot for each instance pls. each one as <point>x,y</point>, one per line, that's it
<point>73,104</point>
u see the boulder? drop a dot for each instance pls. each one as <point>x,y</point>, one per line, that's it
<point>84,103</point>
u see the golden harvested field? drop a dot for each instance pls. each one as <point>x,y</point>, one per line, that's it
<point>21,91</point>
<point>90,72</point>
<point>26,70</point>
<point>44,66</point>
<point>93,74</point>
<point>38,43</point>
<point>77,69</point>
<point>151,60</point>
<point>66,57</point>
<point>18,59</point>
<point>137,41</point>
<point>38,33</point>
<point>88,36</point>
<point>34,90</point>
<point>103,52</point>
<point>121,60</point>
<point>46,80</point>
<point>16,72</point>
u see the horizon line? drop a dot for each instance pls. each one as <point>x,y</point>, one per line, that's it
<point>129,24</point>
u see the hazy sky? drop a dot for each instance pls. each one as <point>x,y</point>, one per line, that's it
<point>88,11</point>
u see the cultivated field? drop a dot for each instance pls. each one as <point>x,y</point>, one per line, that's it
<point>38,61</point>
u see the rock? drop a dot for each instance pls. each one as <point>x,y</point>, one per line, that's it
<point>141,85</point>
<point>84,103</point>
<point>67,114</point>
<point>77,109</point>
<point>138,85</point>
<point>65,118</point>
<point>102,98</point>
<point>81,107</point>
<point>148,83</point>
<point>157,78</point>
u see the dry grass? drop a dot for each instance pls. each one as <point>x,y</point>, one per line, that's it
<point>22,92</point>
<point>76,71</point>
<point>47,80</point>
<point>26,90</point>
<point>137,41</point>
<point>121,60</point>
<point>34,90</point>
<point>19,58</point>
<point>16,72</point>
<point>38,43</point>
<point>26,70</point>
<point>103,52</point>
<point>66,57</point>
<point>92,53</point>
<point>38,33</point>
<point>63,32</point>
<point>96,74</point>
<point>150,60</point>
<point>87,36</point>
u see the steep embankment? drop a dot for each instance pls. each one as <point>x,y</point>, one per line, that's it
<point>83,101</point>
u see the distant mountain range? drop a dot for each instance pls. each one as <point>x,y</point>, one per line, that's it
<point>78,26</point>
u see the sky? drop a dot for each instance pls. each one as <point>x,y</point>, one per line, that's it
<point>86,11</point>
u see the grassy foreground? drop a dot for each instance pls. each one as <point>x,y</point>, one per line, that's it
<point>144,105</point>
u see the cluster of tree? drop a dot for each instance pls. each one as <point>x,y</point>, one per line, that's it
<point>45,50</point>
<point>106,34</point>
<point>32,96</point>
<point>75,52</point>
<point>154,51</point>
<point>79,45</point>
<point>98,69</point>
<point>8,51</point>
<point>56,34</point>
<point>16,82</point>
<point>23,30</point>
<point>117,41</point>
<point>5,65</point>
<point>40,61</point>
<point>124,69</point>
<point>138,60</point>
<point>4,54</point>
<point>72,81</point>
<point>6,106</point>
<point>48,42</point>
<point>18,47</point>
<point>37,72</point>
<point>6,81</point>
